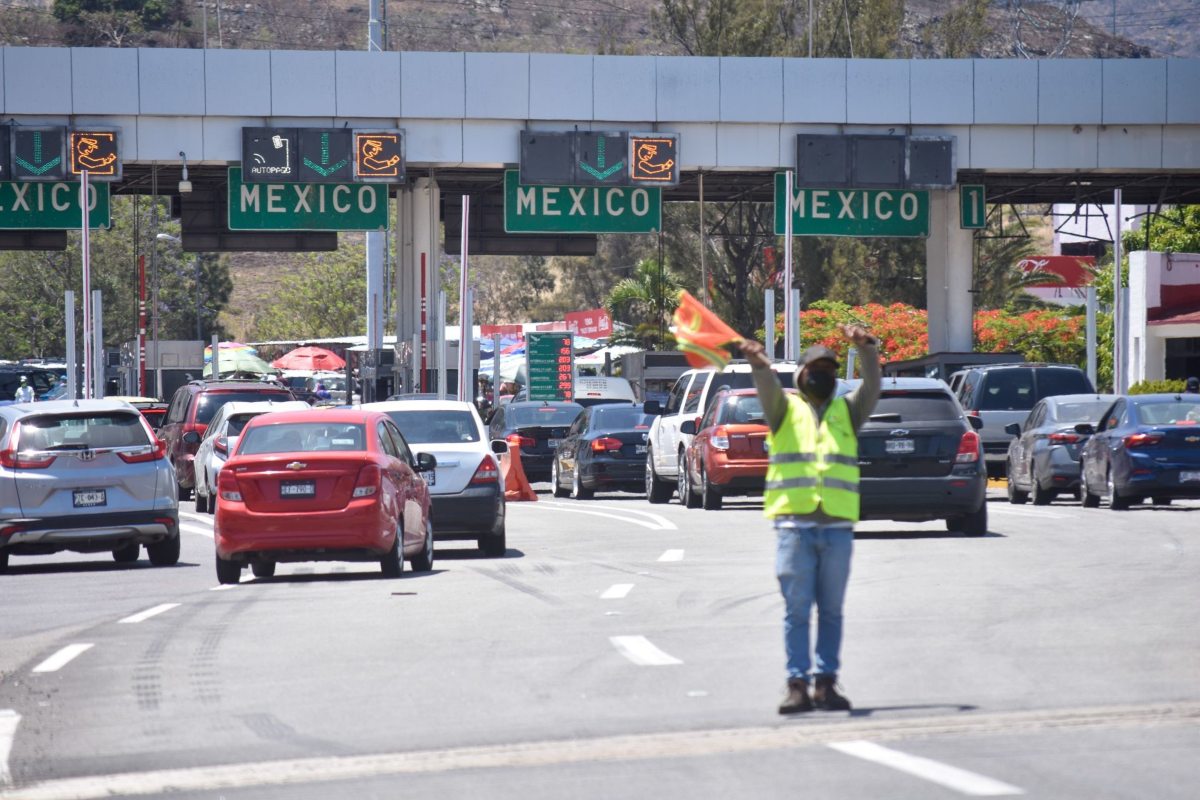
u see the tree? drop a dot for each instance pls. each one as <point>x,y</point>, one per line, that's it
<point>323,299</point>
<point>117,23</point>
<point>649,297</point>
<point>1176,230</point>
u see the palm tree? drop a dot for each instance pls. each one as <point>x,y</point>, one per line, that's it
<point>650,295</point>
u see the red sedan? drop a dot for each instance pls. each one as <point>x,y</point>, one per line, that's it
<point>331,485</point>
<point>728,454</point>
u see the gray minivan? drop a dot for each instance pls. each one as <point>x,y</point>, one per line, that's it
<point>1005,393</point>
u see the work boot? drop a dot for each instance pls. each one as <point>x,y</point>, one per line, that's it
<point>826,696</point>
<point>797,700</point>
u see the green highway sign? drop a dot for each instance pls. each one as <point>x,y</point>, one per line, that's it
<point>972,206</point>
<point>580,209</point>
<point>51,206</point>
<point>852,212</point>
<point>550,365</point>
<point>306,206</point>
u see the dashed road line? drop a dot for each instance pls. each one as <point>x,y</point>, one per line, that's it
<point>195,529</point>
<point>142,616</point>
<point>641,651</point>
<point>960,780</point>
<point>671,555</point>
<point>617,591</point>
<point>63,657</point>
<point>9,719</point>
<point>223,587</point>
<point>1009,508</point>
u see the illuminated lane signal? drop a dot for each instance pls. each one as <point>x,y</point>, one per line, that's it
<point>96,151</point>
<point>38,153</point>
<point>379,156</point>
<point>654,158</point>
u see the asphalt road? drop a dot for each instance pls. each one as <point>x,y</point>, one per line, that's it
<point>618,648</point>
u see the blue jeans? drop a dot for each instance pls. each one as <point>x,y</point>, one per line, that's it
<point>813,564</point>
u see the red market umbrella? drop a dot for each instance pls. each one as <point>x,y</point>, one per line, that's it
<point>314,358</point>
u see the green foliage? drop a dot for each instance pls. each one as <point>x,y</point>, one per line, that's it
<point>325,298</point>
<point>1176,230</point>
<point>649,297</point>
<point>1157,387</point>
<point>151,14</point>
<point>961,31</point>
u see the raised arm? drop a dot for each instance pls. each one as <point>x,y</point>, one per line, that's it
<point>863,399</point>
<point>770,391</point>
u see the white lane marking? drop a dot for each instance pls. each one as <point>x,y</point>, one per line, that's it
<point>616,591</point>
<point>206,519</point>
<point>142,616</point>
<point>641,651</point>
<point>1009,508</point>
<point>665,523</point>
<point>954,778</point>
<point>63,657</point>
<point>223,587</point>
<point>195,530</point>
<point>671,555</point>
<point>556,507</point>
<point>9,720</point>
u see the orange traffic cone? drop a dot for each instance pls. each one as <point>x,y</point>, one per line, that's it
<point>516,485</point>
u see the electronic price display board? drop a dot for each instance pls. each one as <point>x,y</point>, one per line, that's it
<point>550,365</point>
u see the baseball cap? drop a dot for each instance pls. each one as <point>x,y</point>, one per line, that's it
<point>818,352</point>
<point>1193,383</point>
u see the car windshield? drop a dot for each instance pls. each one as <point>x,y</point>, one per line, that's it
<point>436,426</point>
<point>302,437</point>
<point>1170,412</point>
<point>743,409</point>
<point>83,431</point>
<point>561,414</point>
<point>912,406</point>
<point>211,402</point>
<point>624,418</point>
<point>237,422</point>
<point>1089,411</point>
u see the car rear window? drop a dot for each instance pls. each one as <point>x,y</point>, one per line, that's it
<point>302,437</point>
<point>83,431</point>
<point>1081,412</point>
<point>436,426</point>
<point>742,410</point>
<point>544,415</point>
<point>1170,412</point>
<point>620,419</point>
<point>237,422</point>
<point>211,402</point>
<point>743,380</point>
<point>1052,382</point>
<point>1009,390</point>
<point>915,406</point>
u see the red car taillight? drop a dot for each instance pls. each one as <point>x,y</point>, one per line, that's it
<point>1065,438</point>
<point>486,472</point>
<point>152,452</point>
<point>1134,440</point>
<point>227,487</point>
<point>968,448</point>
<point>606,444</point>
<point>520,441</point>
<point>367,484</point>
<point>720,438</point>
<point>13,458</point>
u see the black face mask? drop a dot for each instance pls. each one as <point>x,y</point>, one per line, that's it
<point>819,384</point>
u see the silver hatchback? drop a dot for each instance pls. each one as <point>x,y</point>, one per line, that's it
<point>88,476</point>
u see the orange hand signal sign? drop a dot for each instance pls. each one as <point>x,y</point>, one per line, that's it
<point>96,152</point>
<point>654,159</point>
<point>379,156</point>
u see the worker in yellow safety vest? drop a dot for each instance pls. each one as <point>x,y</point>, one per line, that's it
<point>812,497</point>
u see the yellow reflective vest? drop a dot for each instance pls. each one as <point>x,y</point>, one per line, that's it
<point>813,464</point>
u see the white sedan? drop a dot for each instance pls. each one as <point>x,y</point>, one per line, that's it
<point>220,438</point>
<point>466,489</point>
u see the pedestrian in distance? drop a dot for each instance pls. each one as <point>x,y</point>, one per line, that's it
<point>322,393</point>
<point>812,499</point>
<point>1192,386</point>
<point>24,393</point>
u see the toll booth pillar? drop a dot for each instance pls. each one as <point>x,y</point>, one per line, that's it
<point>419,249</point>
<point>949,276</point>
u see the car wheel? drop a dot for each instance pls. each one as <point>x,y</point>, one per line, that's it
<point>228,571</point>
<point>1086,498</point>
<point>262,569</point>
<point>181,493</point>
<point>423,561</point>
<point>1161,501</point>
<point>1015,495</point>
<point>166,552</point>
<point>973,524</point>
<point>1040,496</point>
<point>201,503</point>
<point>3,561</point>
<point>556,480</point>
<point>578,490</point>
<point>657,490</point>
<point>392,564</point>
<point>710,499</point>
<point>687,497</point>
<point>1115,501</point>
<point>494,544</point>
<point>127,554</point>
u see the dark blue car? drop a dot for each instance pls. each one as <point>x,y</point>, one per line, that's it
<point>1144,446</point>
<point>604,449</point>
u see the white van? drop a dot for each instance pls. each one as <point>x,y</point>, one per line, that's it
<point>593,391</point>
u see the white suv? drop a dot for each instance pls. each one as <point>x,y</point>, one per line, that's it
<point>689,399</point>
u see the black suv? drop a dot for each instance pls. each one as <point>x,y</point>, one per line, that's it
<point>10,379</point>
<point>192,407</point>
<point>1001,394</point>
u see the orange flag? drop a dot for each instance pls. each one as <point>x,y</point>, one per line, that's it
<point>701,334</point>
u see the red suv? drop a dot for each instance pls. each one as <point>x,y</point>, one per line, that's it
<point>191,409</point>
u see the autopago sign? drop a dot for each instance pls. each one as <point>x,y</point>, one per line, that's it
<point>29,205</point>
<point>852,212</point>
<point>580,209</point>
<point>306,206</point>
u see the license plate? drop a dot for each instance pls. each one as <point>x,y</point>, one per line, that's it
<point>896,446</point>
<point>298,489</point>
<point>430,478</point>
<point>1185,477</point>
<point>87,498</point>
<point>639,449</point>
<point>553,443</point>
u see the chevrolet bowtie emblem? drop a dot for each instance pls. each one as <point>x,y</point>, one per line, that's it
<point>297,465</point>
<point>1192,439</point>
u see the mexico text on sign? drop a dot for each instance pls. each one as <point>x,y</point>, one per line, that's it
<point>550,366</point>
<point>853,212</point>
<point>51,206</point>
<point>306,206</point>
<point>580,209</point>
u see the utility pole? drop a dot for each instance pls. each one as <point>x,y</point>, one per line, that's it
<point>376,243</point>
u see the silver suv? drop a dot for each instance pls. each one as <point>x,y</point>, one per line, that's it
<point>87,476</point>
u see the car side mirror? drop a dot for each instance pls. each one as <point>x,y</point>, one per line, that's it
<point>688,427</point>
<point>1013,428</point>
<point>191,437</point>
<point>652,407</point>
<point>499,447</point>
<point>976,422</point>
<point>426,462</point>
<point>1086,428</point>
